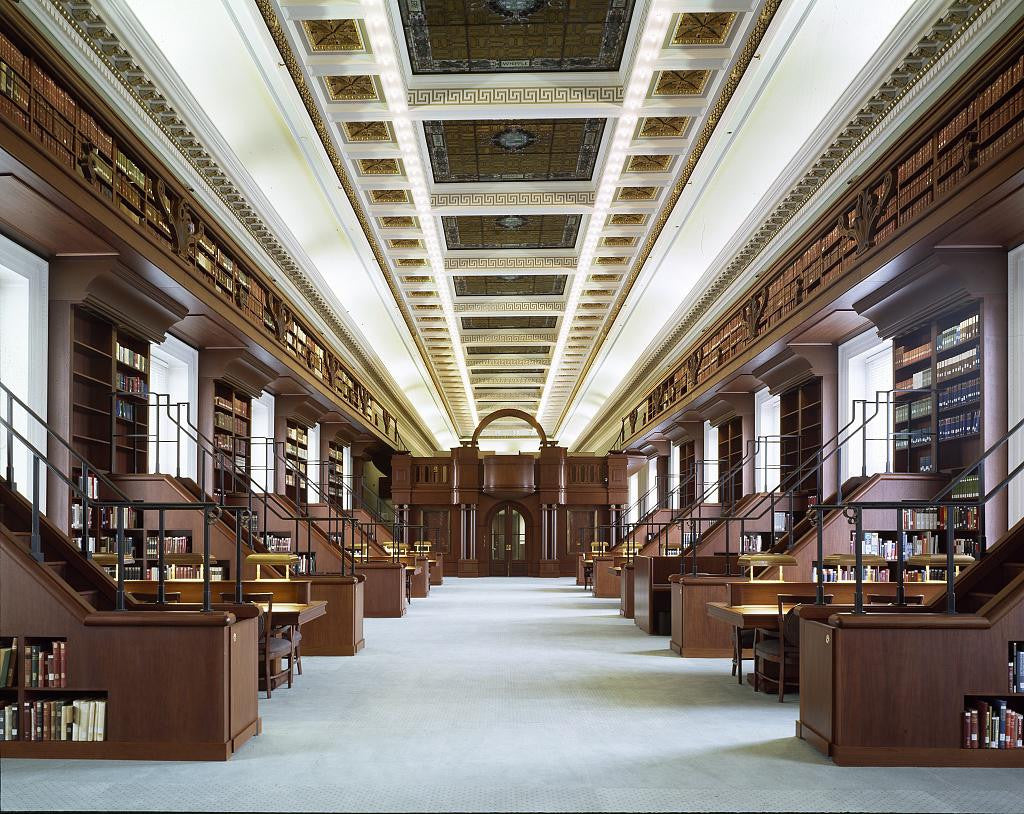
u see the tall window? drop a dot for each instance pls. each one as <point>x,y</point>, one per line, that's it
<point>710,463</point>
<point>263,428</point>
<point>1015,391</point>
<point>767,423</point>
<point>651,495</point>
<point>24,280</point>
<point>634,496</point>
<point>673,474</point>
<point>865,364</point>
<point>314,466</point>
<point>174,379</point>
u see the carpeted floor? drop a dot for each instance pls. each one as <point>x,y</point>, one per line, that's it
<point>513,695</point>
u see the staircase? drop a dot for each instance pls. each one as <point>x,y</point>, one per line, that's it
<point>979,587</point>
<point>62,560</point>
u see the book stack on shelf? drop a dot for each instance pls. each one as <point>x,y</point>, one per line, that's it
<point>1015,665</point>
<point>173,544</point>
<point>278,543</point>
<point>753,543</point>
<point>687,473</point>
<point>730,453</point>
<point>334,476</point>
<point>939,431</point>
<point>991,723</point>
<point>232,435</point>
<point>800,427</point>
<point>296,453</point>
<point>34,694</point>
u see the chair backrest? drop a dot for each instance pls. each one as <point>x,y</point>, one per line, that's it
<point>789,619</point>
<point>883,599</point>
<point>266,623</point>
<point>169,596</point>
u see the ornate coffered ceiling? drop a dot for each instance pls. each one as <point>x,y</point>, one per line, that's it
<point>516,160</point>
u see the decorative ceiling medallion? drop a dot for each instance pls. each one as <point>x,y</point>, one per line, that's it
<point>649,163</point>
<point>380,166</point>
<point>389,196</point>
<point>703,29</point>
<point>626,219</point>
<point>333,35</point>
<point>507,36</point>
<point>357,88</point>
<point>664,127</point>
<point>367,131</point>
<point>511,231</point>
<point>681,83</point>
<point>513,139</point>
<point>637,193</point>
<point>396,221</point>
<point>482,150</point>
<point>619,241</point>
<point>405,243</point>
<point>510,285</point>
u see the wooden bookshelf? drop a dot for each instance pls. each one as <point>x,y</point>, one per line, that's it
<point>296,453</point>
<point>800,427</point>
<point>334,474</point>
<point>687,470</point>
<point>730,453</point>
<point>939,430</point>
<point>232,434</point>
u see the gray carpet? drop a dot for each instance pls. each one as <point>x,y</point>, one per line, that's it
<point>513,695</point>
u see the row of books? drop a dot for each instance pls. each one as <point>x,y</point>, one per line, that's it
<point>66,719</point>
<point>907,356</point>
<point>916,409</point>
<point>297,434</point>
<point>91,486</point>
<point>132,518</point>
<point>8,662</point>
<point>959,393</point>
<point>279,545</point>
<point>751,544</point>
<point>46,667</point>
<point>879,546</point>
<point>914,438</point>
<point>964,517</point>
<point>968,423</point>
<point>9,722</point>
<point>956,365</point>
<point>176,544</point>
<point>233,424</point>
<point>848,573</point>
<point>1016,666</point>
<point>920,380</point>
<point>132,384</point>
<point>124,409</point>
<point>963,331</point>
<point>968,487</point>
<point>129,357</point>
<point>992,725</point>
<point>296,452</point>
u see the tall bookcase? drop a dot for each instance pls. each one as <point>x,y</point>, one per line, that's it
<point>232,433</point>
<point>296,454</point>
<point>730,453</point>
<point>938,428</point>
<point>800,427</point>
<point>687,472</point>
<point>334,474</point>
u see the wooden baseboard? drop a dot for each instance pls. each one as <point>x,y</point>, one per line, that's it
<point>338,650</point>
<point>242,737</point>
<point>924,756</point>
<point>120,750</point>
<point>675,648</point>
<point>805,732</point>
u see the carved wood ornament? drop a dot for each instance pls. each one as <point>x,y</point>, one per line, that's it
<point>861,223</point>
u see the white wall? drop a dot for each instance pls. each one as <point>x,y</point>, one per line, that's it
<point>1015,389</point>
<point>313,465</point>
<point>865,367</point>
<point>24,281</point>
<point>174,372</point>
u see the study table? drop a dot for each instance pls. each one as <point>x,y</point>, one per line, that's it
<point>744,617</point>
<point>292,614</point>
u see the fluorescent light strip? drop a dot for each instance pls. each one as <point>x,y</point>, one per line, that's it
<point>655,29</point>
<point>379,29</point>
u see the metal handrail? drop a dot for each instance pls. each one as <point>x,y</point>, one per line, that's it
<point>854,511</point>
<point>119,505</point>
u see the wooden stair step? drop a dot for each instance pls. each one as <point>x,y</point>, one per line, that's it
<point>59,567</point>
<point>91,596</point>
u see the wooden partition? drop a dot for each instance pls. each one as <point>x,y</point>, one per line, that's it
<point>606,578</point>
<point>177,686</point>
<point>340,632</point>
<point>694,633</point>
<point>652,592</point>
<point>384,592</point>
<point>627,587</point>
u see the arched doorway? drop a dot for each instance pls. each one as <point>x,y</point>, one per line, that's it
<point>507,535</point>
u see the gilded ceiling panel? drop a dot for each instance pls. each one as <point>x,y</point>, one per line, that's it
<point>502,36</point>
<point>511,231</point>
<point>703,29</point>
<point>472,151</point>
<point>507,323</point>
<point>509,285</point>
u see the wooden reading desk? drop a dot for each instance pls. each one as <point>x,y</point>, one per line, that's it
<point>296,613</point>
<point>744,617</point>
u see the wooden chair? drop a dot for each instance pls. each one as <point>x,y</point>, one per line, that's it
<point>885,599</point>
<point>273,646</point>
<point>781,647</point>
<point>169,596</point>
<point>588,575</point>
